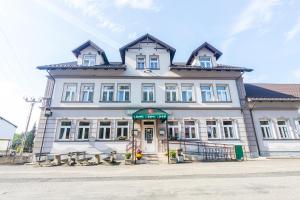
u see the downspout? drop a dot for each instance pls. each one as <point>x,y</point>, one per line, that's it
<point>254,128</point>
<point>47,117</point>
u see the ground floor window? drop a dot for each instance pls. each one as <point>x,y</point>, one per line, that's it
<point>173,128</point>
<point>122,129</point>
<point>265,129</point>
<point>283,130</point>
<point>104,130</point>
<point>64,132</point>
<point>228,128</point>
<point>212,129</point>
<point>83,131</point>
<point>189,129</point>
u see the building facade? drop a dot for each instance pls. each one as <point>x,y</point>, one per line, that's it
<point>7,131</point>
<point>92,100</point>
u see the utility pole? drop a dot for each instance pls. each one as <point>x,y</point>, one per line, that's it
<point>32,102</point>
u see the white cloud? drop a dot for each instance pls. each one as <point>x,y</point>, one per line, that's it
<point>295,30</point>
<point>138,4</point>
<point>257,14</point>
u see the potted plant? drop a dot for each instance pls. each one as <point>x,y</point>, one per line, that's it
<point>139,154</point>
<point>127,158</point>
<point>122,138</point>
<point>172,155</point>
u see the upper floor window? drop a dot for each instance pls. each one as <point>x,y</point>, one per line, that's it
<point>107,92</point>
<point>265,129</point>
<point>206,93</point>
<point>205,61</point>
<point>83,131</point>
<point>89,60</point>
<point>64,131</point>
<point>189,129</point>
<point>87,92</point>
<point>187,92</point>
<point>123,92</point>
<point>69,93</point>
<point>173,128</point>
<point>223,93</point>
<point>171,92</point>
<point>153,62</point>
<point>212,129</point>
<point>148,92</point>
<point>122,129</point>
<point>104,130</point>
<point>283,129</point>
<point>228,128</point>
<point>141,62</point>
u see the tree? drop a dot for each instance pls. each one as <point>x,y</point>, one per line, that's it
<point>17,141</point>
<point>30,139</point>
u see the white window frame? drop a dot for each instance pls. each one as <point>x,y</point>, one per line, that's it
<point>190,127</point>
<point>222,93</point>
<point>228,127</point>
<point>191,91</point>
<point>205,92</point>
<point>83,127</point>
<point>73,92</point>
<point>90,59</point>
<point>104,127</point>
<point>286,133</point>
<point>212,127</point>
<point>171,92</point>
<point>266,128</point>
<point>124,91</point>
<point>108,91</point>
<point>173,127</point>
<point>205,63</point>
<point>297,128</point>
<point>65,129</point>
<point>138,61</point>
<point>148,92</point>
<point>153,62</point>
<point>122,127</point>
<point>85,93</point>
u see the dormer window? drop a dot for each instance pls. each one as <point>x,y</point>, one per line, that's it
<point>153,62</point>
<point>205,61</point>
<point>140,62</point>
<point>89,60</point>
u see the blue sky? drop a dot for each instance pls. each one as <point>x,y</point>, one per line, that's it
<point>259,34</point>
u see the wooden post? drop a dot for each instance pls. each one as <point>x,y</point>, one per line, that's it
<point>168,148</point>
<point>132,149</point>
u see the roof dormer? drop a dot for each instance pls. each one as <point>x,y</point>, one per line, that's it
<point>89,54</point>
<point>205,56</point>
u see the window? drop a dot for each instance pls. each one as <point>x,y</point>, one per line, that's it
<point>206,93</point>
<point>89,60</point>
<point>283,130</point>
<point>83,130</point>
<point>171,92</point>
<point>189,129</point>
<point>148,92</point>
<point>64,131</point>
<point>69,92</point>
<point>140,62</point>
<point>223,93</point>
<point>298,126</point>
<point>187,93</point>
<point>153,62</point>
<point>205,62</point>
<point>123,92</point>
<point>104,130</point>
<point>173,129</point>
<point>265,129</point>
<point>87,92</point>
<point>212,129</point>
<point>122,129</point>
<point>107,93</point>
<point>228,130</point>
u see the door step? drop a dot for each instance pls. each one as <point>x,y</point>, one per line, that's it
<point>151,158</point>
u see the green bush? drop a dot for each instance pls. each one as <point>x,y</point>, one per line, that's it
<point>172,154</point>
<point>127,155</point>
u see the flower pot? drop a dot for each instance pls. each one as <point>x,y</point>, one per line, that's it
<point>173,160</point>
<point>128,161</point>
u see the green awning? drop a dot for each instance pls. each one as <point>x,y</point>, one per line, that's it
<point>150,113</point>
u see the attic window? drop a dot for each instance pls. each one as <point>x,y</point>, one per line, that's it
<point>89,60</point>
<point>205,61</point>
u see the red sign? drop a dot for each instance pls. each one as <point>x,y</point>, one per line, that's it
<point>150,111</point>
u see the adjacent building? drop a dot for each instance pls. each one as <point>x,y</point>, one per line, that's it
<point>93,104</point>
<point>7,131</point>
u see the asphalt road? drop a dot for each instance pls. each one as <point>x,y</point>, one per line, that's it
<point>267,179</point>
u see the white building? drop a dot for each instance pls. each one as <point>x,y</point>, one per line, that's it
<point>7,131</point>
<point>92,100</point>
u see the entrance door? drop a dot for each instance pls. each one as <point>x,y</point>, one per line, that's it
<point>149,136</point>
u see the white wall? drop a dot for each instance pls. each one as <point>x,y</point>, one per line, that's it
<point>7,130</point>
<point>90,50</point>
<point>204,52</point>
